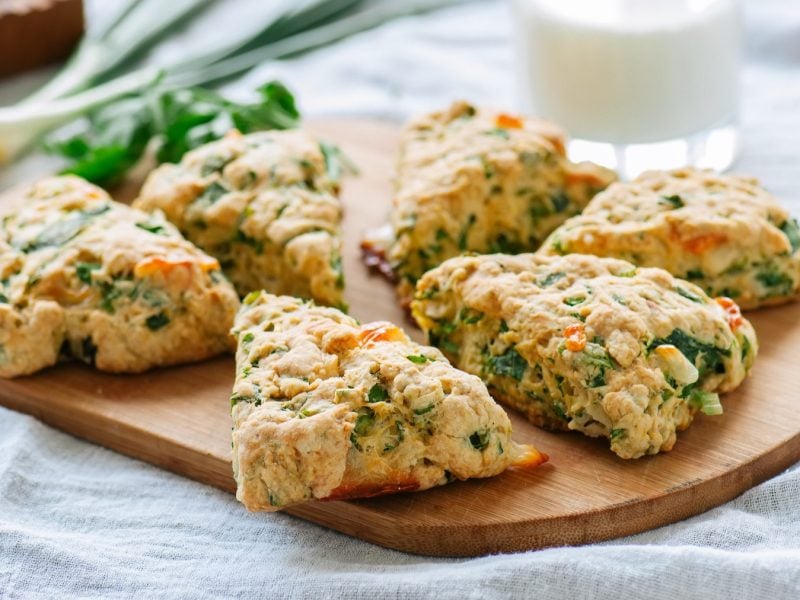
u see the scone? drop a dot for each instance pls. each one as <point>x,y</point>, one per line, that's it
<point>724,233</point>
<point>85,277</point>
<point>263,205</point>
<point>476,180</point>
<point>325,408</point>
<point>591,344</point>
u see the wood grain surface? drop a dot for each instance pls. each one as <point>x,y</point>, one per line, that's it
<point>178,419</point>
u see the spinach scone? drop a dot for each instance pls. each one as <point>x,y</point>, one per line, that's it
<point>725,233</point>
<point>82,276</point>
<point>477,180</point>
<point>591,344</point>
<point>262,204</point>
<point>325,408</point>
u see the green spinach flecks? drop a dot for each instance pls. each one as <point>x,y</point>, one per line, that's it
<point>211,194</point>
<point>377,393</point>
<point>792,231</point>
<point>688,295</point>
<point>673,201</point>
<point>707,357</point>
<point>551,278</point>
<point>560,201</point>
<point>84,271</point>
<point>155,228</point>
<point>480,439</point>
<point>418,358</point>
<point>509,364</point>
<point>157,321</point>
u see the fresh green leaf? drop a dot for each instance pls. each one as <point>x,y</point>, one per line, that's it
<point>109,142</point>
<point>113,138</point>
<point>192,117</point>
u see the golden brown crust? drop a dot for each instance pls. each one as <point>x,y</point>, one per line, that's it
<point>586,343</point>
<point>89,278</point>
<point>722,232</point>
<point>263,205</point>
<point>478,180</point>
<point>325,408</point>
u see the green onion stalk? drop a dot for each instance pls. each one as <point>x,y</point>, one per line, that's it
<point>107,64</point>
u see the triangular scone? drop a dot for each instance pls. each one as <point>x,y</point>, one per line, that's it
<point>325,408</point>
<point>472,179</point>
<point>724,233</point>
<point>589,344</point>
<point>82,276</point>
<point>262,204</point>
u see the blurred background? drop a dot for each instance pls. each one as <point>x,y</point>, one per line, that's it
<point>390,59</point>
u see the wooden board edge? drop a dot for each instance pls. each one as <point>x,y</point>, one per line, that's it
<point>624,519</point>
<point>621,520</point>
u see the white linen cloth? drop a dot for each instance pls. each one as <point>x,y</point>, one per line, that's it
<point>77,520</point>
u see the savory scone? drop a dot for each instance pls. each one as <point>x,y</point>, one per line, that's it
<point>262,204</point>
<point>724,233</point>
<point>85,277</point>
<point>477,180</point>
<point>591,344</point>
<point>325,408</point>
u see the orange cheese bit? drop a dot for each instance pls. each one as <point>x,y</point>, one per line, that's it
<point>165,264</point>
<point>380,331</point>
<point>506,121</point>
<point>576,337</point>
<point>528,457</point>
<point>732,311</point>
<point>704,243</point>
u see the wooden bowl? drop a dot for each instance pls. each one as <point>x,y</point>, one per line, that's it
<point>37,32</point>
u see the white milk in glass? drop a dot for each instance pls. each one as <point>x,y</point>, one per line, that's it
<point>639,83</point>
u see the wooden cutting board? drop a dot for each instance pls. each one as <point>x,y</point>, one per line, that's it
<point>178,419</point>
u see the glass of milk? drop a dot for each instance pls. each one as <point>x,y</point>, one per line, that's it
<point>638,84</point>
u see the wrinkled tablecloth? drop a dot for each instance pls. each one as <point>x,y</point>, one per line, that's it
<point>77,520</point>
